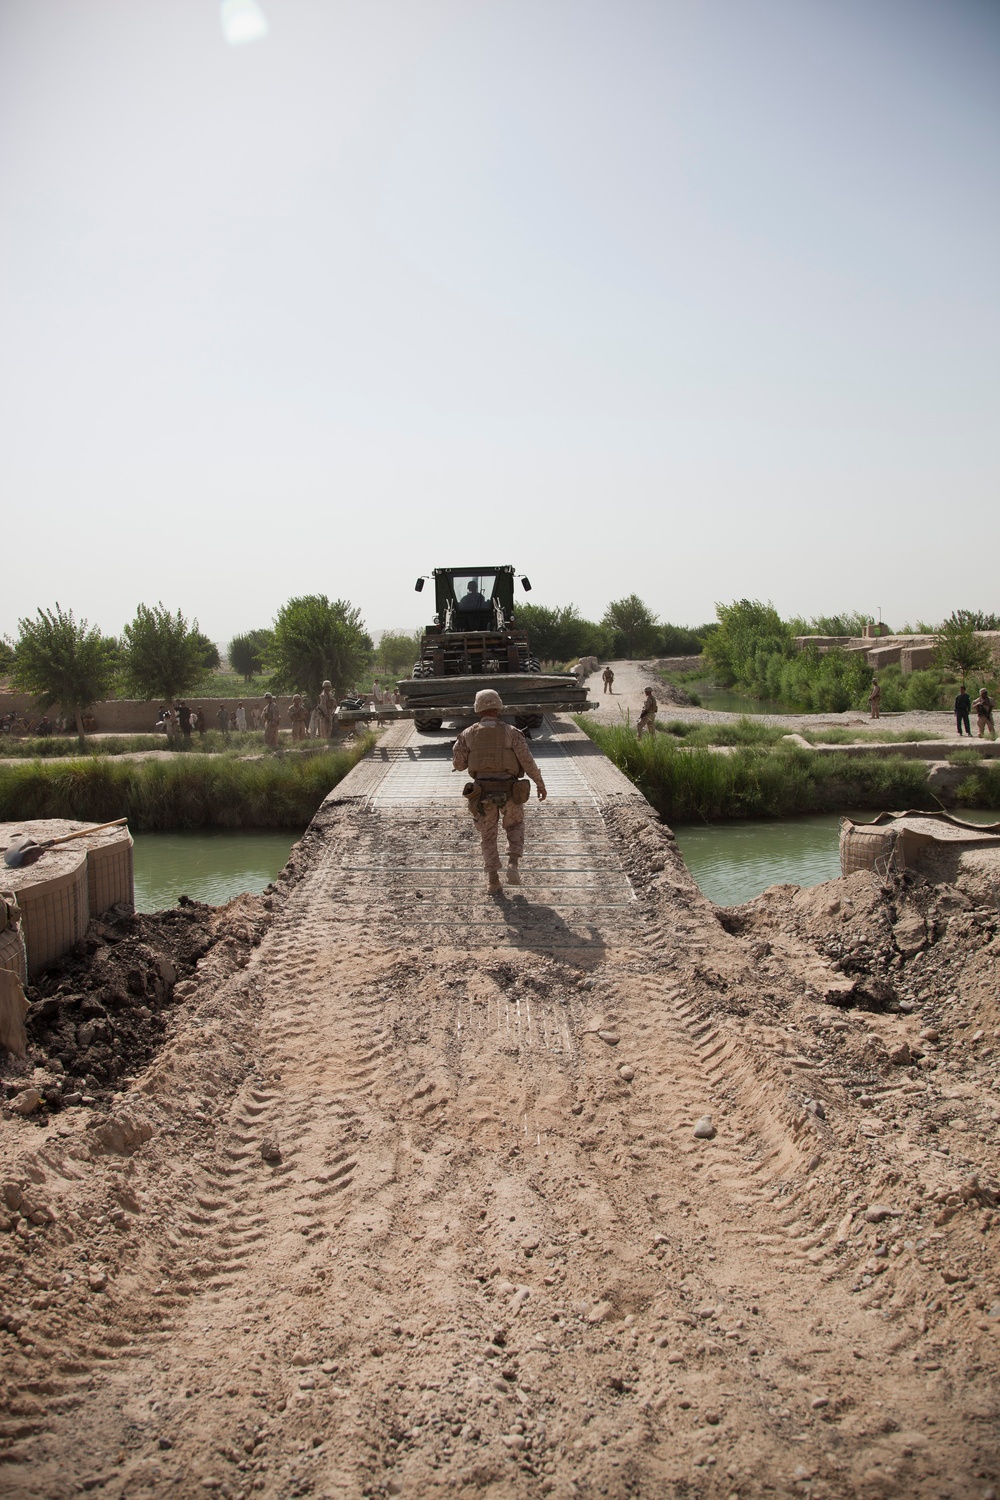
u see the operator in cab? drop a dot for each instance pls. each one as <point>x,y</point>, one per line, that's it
<point>472,598</point>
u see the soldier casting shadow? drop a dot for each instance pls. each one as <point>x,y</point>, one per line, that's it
<point>539,928</point>
<point>498,758</point>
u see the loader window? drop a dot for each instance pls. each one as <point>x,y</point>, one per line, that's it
<point>473,590</point>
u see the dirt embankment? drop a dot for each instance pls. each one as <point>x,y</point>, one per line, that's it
<point>418,1194</point>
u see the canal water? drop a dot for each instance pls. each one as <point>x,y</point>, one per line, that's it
<point>723,700</point>
<point>210,865</point>
<point>733,862</point>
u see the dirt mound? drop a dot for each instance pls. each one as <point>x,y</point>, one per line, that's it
<point>100,1013</point>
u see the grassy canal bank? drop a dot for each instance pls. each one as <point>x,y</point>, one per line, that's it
<point>189,792</point>
<point>763,778</point>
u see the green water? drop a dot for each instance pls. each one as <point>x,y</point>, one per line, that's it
<point>723,700</point>
<point>733,862</point>
<point>210,866</point>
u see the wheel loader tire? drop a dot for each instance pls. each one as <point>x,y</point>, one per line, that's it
<point>532,664</point>
<point>423,669</point>
<point>529,721</point>
<point>425,723</point>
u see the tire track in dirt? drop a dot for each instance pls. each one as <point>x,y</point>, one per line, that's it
<point>482,1250</point>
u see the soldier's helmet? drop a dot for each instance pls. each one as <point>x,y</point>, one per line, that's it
<point>327,683</point>
<point>486,700</point>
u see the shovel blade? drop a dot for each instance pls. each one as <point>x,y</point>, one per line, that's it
<point>23,851</point>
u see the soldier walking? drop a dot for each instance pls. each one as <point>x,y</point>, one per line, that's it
<point>498,758</point>
<point>608,677</point>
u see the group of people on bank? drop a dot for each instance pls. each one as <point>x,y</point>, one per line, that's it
<point>307,721</point>
<point>964,706</point>
<point>983,706</point>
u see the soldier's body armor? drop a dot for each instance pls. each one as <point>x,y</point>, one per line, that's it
<point>489,751</point>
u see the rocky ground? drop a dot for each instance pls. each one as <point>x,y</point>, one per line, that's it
<point>593,1189</point>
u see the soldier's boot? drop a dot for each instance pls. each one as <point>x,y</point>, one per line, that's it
<point>513,873</point>
<point>493,885</point>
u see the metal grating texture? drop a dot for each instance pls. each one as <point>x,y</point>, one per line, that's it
<point>418,847</point>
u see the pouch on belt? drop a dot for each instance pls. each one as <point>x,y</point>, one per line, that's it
<point>495,789</point>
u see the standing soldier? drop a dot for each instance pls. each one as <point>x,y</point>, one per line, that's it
<point>298,714</point>
<point>607,677</point>
<point>647,716</point>
<point>874,698</point>
<point>325,709</point>
<point>272,716</point>
<point>984,714</point>
<point>498,758</point>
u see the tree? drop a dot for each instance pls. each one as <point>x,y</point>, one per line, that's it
<point>62,661</point>
<point>959,648</point>
<point>315,640</point>
<point>634,622</point>
<point>248,653</point>
<point>6,656</point>
<point>975,618</point>
<point>677,640</point>
<point>397,651</point>
<point>210,658</point>
<point>748,632</point>
<point>162,655</point>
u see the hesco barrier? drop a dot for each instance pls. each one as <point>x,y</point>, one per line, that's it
<point>12,954</point>
<point>897,839</point>
<point>54,904</point>
<point>68,885</point>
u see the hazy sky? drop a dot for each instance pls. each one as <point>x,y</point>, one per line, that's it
<point>696,298</point>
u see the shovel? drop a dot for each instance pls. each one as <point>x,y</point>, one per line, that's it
<point>24,851</point>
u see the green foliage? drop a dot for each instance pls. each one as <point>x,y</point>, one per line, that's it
<point>248,653</point>
<point>851,623</point>
<point>191,791</point>
<point>757,781</point>
<point>977,619</point>
<point>162,655</point>
<point>633,624</point>
<point>315,640</point>
<point>397,651</point>
<point>6,655</point>
<point>749,634</point>
<point>982,788</point>
<point>51,747</point>
<point>958,648</point>
<point>561,634</point>
<point>677,640</point>
<point>210,658</point>
<point>63,661</point>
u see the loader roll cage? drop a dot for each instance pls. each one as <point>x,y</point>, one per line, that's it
<point>473,599</point>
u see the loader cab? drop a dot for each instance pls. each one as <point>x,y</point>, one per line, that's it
<point>474,599</point>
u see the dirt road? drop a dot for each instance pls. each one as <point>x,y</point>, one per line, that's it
<point>414,1202</point>
<point>632,677</point>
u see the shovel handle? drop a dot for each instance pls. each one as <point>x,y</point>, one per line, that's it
<point>82,832</point>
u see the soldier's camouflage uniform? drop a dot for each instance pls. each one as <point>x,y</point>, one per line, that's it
<point>498,752</point>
